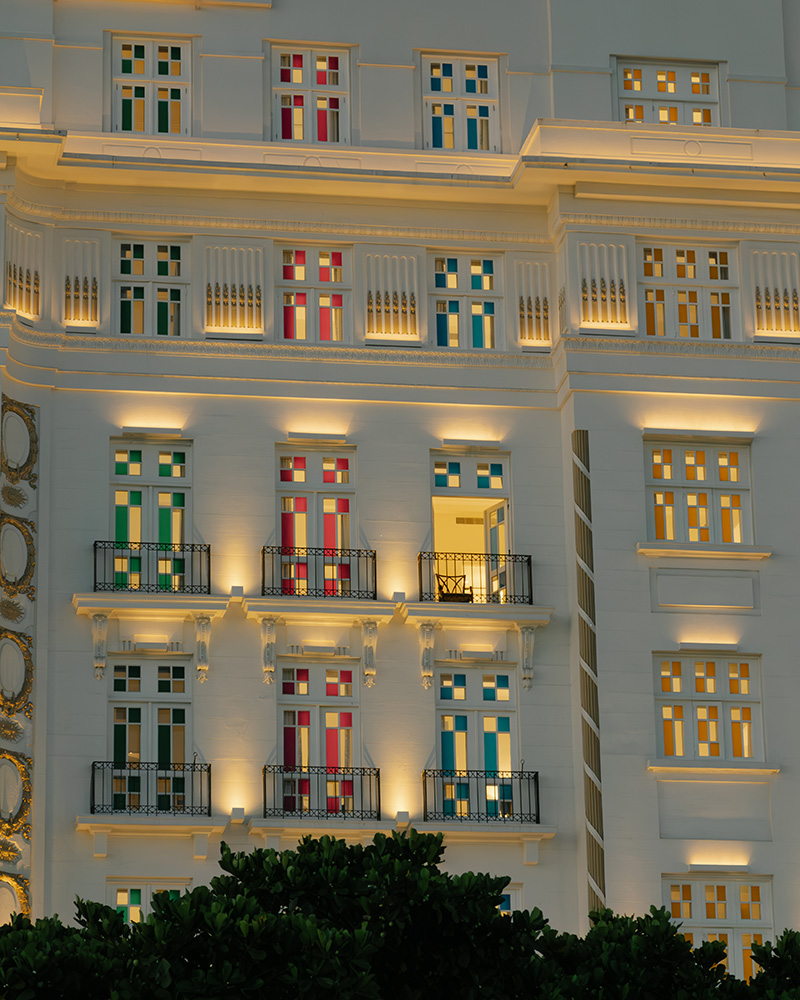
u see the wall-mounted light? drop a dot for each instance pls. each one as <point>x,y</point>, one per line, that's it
<point>237,815</point>
<point>402,820</point>
<point>237,595</point>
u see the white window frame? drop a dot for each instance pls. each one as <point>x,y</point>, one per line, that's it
<point>148,887</point>
<point>315,288</point>
<point>149,85</point>
<point>458,283</point>
<point>688,291</point>
<point>305,84</point>
<point>668,93</point>
<point>698,693</point>
<point>152,287</point>
<point>698,925</point>
<point>459,94</point>
<point>675,492</point>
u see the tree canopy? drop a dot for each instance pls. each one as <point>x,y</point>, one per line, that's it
<point>379,921</point>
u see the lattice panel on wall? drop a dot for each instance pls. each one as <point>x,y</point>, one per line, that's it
<point>603,272</point>
<point>392,295</point>
<point>533,302</point>
<point>233,289</point>
<point>23,270</point>
<point>777,284</point>
<point>81,267</point>
<point>587,651</point>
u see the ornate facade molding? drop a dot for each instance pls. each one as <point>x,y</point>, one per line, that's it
<point>701,348</point>
<point>17,822</point>
<point>14,703</point>
<point>369,642</point>
<point>21,887</point>
<point>426,637</point>
<point>271,351</point>
<point>375,233</point>
<point>269,629</point>
<point>202,635</point>
<point>24,470</point>
<point>22,583</point>
<point>99,633</point>
<point>527,637</point>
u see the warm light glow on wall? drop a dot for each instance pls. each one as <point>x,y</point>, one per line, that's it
<point>710,635</point>
<point>729,855</point>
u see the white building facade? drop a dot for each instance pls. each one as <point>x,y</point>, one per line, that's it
<point>394,420</point>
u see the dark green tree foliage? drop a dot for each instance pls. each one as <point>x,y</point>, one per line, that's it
<point>382,921</point>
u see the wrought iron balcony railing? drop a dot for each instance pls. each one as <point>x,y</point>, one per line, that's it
<point>152,568</point>
<point>142,788</point>
<point>481,796</point>
<point>289,570</point>
<point>475,578</point>
<point>322,792</point>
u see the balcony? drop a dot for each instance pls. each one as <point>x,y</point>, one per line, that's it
<point>475,578</point>
<point>322,792</point>
<point>139,788</point>
<point>481,796</point>
<point>152,568</point>
<point>291,571</point>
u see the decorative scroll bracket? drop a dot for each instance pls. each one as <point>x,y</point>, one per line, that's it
<point>99,633</point>
<point>269,630</point>
<point>369,641</point>
<point>526,641</point>
<point>202,634</point>
<point>426,633</point>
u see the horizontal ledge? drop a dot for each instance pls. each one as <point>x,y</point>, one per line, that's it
<point>708,767</point>
<point>166,826</point>
<point>701,550</point>
<point>501,616</point>
<point>316,609</point>
<point>704,647</point>
<point>298,436</point>
<point>673,434</point>
<point>455,833</point>
<point>152,432</point>
<point>733,869</point>
<point>146,606</point>
<point>478,445</point>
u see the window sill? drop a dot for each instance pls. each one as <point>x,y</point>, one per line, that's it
<point>701,550</point>
<point>743,768</point>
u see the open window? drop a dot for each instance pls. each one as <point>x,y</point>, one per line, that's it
<point>471,561</point>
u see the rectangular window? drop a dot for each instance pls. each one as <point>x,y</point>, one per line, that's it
<point>698,493</point>
<point>668,93</point>
<point>151,741</point>
<point>310,93</point>
<point>476,743</point>
<point>133,897</point>
<point>715,907</point>
<point>151,283</point>
<point>460,101</point>
<point>465,296</point>
<point>319,716</point>
<point>316,500</point>
<point>150,497</point>
<point>152,86</point>
<point>708,708</point>
<point>472,560</point>
<point>688,293</point>
<point>313,293</point>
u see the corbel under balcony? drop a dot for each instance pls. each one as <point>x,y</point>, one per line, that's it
<point>146,826</point>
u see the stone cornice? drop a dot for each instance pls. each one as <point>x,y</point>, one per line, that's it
<point>268,351</point>
<point>625,223</point>
<point>32,210</point>
<point>679,348</point>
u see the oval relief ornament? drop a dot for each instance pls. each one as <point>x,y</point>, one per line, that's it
<point>17,555</point>
<point>19,442</point>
